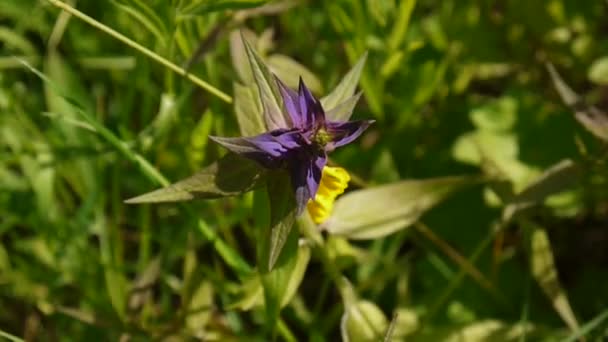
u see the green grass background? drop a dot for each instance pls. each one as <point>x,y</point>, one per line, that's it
<point>456,88</point>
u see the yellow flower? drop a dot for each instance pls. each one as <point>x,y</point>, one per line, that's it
<point>333,182</point>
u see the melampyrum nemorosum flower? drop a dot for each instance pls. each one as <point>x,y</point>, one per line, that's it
<point>300,142</point>
<point>333,182</point>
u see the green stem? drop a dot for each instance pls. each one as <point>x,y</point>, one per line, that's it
<point>211,89</point>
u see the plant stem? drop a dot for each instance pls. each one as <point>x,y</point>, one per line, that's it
<point>211,89</point>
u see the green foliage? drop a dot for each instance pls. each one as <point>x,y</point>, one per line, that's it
<point>476,210</point>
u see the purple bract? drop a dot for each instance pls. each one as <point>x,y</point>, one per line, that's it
<point>302,146</point>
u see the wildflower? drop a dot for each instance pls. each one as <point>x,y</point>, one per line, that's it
<point>333,182</point>
<point>300,142</point>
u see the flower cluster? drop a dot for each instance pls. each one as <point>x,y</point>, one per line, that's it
<point>301,145</point>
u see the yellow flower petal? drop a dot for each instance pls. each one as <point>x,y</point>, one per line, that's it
<point>333,182</point>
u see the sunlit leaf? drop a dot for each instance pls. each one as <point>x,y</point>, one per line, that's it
<point>379,211</point>
<point>598,71</point>
<point>248,110</point>
<point>545,273</point>
<point>230,176</point>
<point>146,16</point>
<point>346,88</point>
<point>484,331</point>
<point>200,307</point>
<point>555,179</point>
<point>594,120</point>
<point>363,321</point>
<point>203,7</point>
<point>344,110</point>
<point>290,71</point>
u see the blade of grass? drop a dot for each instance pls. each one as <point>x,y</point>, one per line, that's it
<point>10,337</point>
<point>461,261</point>
<point>588,327</point>
<point>229,255</point>
<point>131,43</point>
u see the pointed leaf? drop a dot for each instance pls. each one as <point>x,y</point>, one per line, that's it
<point>230,176</point>
<point>594,120</point>
<point>346,87</point>
<point>282,216</point>
<point>276,281</point>
<point>278,243</point>
<point>289,71</point>
<point>545,273</point>
<point>344,110</point>
<point>248,110</point>
<point>598,72</point>
<point>208,6</point>
<point>270,96</point>
<point>555,179</point>
<point>363,321</point>
<point>379,211</point>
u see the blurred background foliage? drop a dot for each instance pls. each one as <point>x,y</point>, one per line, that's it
<point>456,88</point>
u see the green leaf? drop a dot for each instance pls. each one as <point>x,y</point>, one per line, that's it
<point>290,71</point>
<point>598,72</point>
<point>248,110</point>
<point>557,178</point>
<point>594,120</point>
<point>400,28</point>
<point>282,218</point>
<point>207,6</point>
<point>251,293</point>
<point>344,110</point>
<point>484,331</point>
<point>297,272</point>
<point>146,16</point>
<point>276,281</point>
<point>116,285</point>
<point>277,245</point>
<point>497,116</point>
<point>230,176</point>
<point>545,273</point>
<point>363,321</point>
<point>272,102</point>
<point>375,212</point>
<point>200,307</point>
<point>346,87</point>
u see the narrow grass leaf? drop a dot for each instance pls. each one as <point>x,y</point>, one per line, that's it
<point>376,212</point>
<point>230,176</point>
<point>146,17</point>
<point>399,31</point>
<point>204,7</point>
